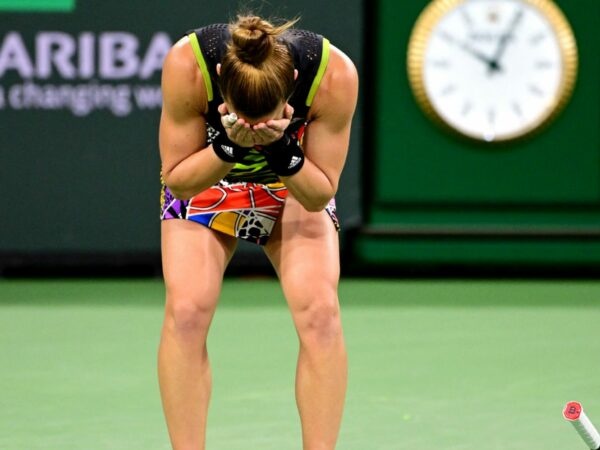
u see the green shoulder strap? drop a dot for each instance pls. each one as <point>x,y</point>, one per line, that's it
<point>322,66</point>
<point>202,64</point>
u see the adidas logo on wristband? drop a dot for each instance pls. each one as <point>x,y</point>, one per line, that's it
<point>294,162</point>
<point>227,149</point>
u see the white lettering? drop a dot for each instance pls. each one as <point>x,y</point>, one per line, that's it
<point>13,55</point>
<point>111,55</point>
<point>55,49</point>
<point>148,97</point>
<point>96,60</point>
<point>118,55</point>
<point>80,99</point>
<point>15,97</point>
<point>155,55</point>
<point>87,55</point>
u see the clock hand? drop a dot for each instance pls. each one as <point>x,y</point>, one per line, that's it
<point>490,62</point>
<point>495,66</point>
<point>464,45</point>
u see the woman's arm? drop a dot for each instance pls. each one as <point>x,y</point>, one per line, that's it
<point>187,168</point>
<point>327,135</point>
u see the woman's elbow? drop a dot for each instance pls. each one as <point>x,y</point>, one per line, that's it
<point>314,207</point>
<point>177,189</point>
<point>317,203</point>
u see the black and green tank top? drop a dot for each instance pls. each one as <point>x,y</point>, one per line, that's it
<point>311,55</point>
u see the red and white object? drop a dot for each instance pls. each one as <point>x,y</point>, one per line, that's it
<point>573,412</point>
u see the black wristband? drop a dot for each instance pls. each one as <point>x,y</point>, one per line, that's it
<point>228,151</point>
<point>285,156</point>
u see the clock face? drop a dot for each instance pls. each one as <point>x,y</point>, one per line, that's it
<point>493,70</point>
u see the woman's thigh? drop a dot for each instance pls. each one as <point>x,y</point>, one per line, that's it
<point>194,259</point>
<point>304,251</point>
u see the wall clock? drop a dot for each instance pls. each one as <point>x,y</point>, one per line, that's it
<point>492,70</point>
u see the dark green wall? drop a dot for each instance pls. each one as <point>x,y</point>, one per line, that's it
<point>88,185</point>
<point>438,198</point>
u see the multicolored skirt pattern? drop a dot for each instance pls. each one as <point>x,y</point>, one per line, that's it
<point>244,210</point>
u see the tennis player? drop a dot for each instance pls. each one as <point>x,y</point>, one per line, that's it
<point>254,134</point>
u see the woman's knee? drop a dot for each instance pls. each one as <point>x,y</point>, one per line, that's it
<point>318,322</point>
<point>189,314</point>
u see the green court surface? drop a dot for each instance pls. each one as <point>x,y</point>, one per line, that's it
<point>481,365</point>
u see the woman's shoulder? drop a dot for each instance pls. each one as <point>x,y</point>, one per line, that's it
<point>338,92</point>
<point>181,78</point>
<point>340,77</point>
<point>340,65</point>
<point>180,60</point>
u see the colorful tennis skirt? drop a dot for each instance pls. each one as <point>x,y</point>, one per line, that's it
<point>244,210</point>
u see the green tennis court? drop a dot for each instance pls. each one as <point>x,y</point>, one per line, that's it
<point>433,364</point>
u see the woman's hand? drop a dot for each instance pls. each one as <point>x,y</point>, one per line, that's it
<point>243,134</point>
<point>239,132</point>
<point>272,130</point>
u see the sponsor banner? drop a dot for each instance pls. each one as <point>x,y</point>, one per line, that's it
<point>81,73</point>
<point>80,104</point>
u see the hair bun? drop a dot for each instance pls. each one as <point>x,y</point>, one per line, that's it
<point>252,39</point>
<point>257,70</point>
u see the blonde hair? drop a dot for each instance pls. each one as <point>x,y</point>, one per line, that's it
<point>257,71</point>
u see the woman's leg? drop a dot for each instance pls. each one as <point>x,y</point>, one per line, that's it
<point>194,260</point>
<point>304,251</point>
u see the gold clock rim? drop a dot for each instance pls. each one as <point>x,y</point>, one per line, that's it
<point>421,34</point>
